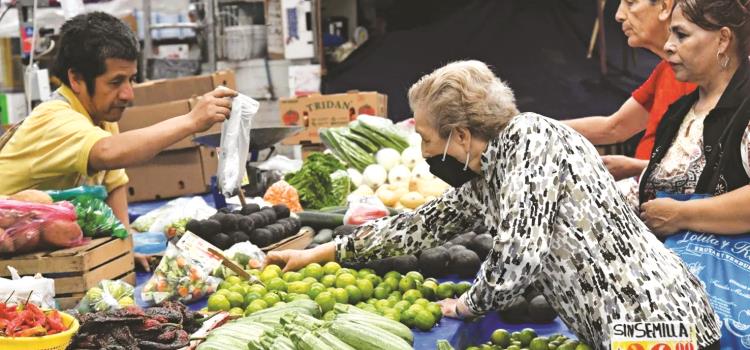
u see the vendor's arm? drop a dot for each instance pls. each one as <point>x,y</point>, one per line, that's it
<point>529,195</point>
<point>118,201</point>
<point>630,119</point>
<point>137,146</point>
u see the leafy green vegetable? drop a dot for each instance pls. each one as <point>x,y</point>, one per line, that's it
<point>314,182</point>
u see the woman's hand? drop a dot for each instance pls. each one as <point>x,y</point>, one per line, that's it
<point>456,308</point>
<point>294,260</point>
<point>622,167</point>
<point>663,216</point>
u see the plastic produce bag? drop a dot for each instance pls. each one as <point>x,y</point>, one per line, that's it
<point>172,214</point>
<point>363,209</point>
<point>149,243</point>
<point>283,193</point>
<point>108,295</point>
<point>245,254</point>
<point>235,144</point>
<point>178,277</point>
<point>28,226</point>
<point>95,217</point>
<point>17,289</point>
<point>281,164</point>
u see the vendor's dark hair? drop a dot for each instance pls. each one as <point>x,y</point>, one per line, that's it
<point>715,14</point>
<point>87,41</point>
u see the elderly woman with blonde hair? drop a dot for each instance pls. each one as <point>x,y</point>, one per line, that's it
<point>557,219</point>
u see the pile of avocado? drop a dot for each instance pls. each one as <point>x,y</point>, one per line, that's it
<point>260,226</point>
<point>530,307</point>
<point>462,256</point>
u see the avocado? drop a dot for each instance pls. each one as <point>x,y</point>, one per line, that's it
<point>480,228</point>
<point>282,211</point>
<point>530,293</point>
<point>261,237</point>
<point>270,214</point>
<point>464,262</point>
<point>540,311</point>
<point>210,227</point>
<point>217,216</point>
<point>278,231</point>
<point>344,230</point>
<point>482,245</point>
<point>221,241</point>
<point>404,263</point>
<point>447,245</point>
<point>463,239</point>
<point>239,236</point>
<point>433,261</point>
<point>225,210</point>
<point>228,223</point>
<point>324,236</point>
<point>259,219</point>
<point>381,266</point>
<point>515,312</point>
<point>246,224</point>
<point>248,209</point>
<point>195,226</point>
<point>297,224</point>
<point>288,226</point>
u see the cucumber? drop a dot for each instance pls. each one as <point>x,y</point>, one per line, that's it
<point>366,338</point>
<point>386,324</point>
<point>333,342</point>
<point>335,210</point>
<point>309,341</point>
<point>319,220</point>
<point>443,344</point>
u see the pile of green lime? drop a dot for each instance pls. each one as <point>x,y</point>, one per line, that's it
<point>502,339</point>
<point>409,299</point>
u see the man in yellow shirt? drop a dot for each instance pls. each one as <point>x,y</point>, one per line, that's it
<point>73,139</point>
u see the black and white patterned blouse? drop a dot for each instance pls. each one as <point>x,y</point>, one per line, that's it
<point>560,224</point>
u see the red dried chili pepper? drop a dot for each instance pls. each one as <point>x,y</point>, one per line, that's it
<point>35,331</point>
<point>54,322</point>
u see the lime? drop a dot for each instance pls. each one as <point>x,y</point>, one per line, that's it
<point>567,346</point>
<point>436,310</point>
<point>258,289</point>
<point>372,301</point>
<point>224,285</point>
<point>428,289</point>
<point>416,308</point>
<point>370,308</point>
<point>539,343</point>
<point>407,317</point>
<point>300,297</point>
<point>236,311</point>
<point>381,291</point>
<point>421,301</point>
<point>346,270</point>
<point>424,320</point>
<point>250,297</point>
<point>580,347</point>
<point>382,305</point>
<point>223,292</point>
<point>330,268</point>
<point>392,314</point>
<point>406,283</point>
<point>268,274</point>
<point>273,267</point>
<point>361,304</point>
<point>276,284</point>
<point>462,287</point>
<point>298,287</point>
<point>365,286</point>
<point>402,305</point>
<point>375,279</point>
<point>329,316</point>
<point>416,276</point>
<point>218,302</point>
<point>515,336</point>
<point>513,347</point>
<point>553,346</point>
<point>292,276</point>
<point>445,290</point>
<point>412,295</point>
<point>233,280</point>
<point>235,299</point>
<point>355,295</point>
<point>271,299</point>
<point>392,300</point>
<point>364,272</point>
<point>391,282</point>
<point>255,306</point>
<point>394,274</point>
<point>237,289</point>
<point>328,280</point>
<point>345,279</point>
<point>315,289</point>
<point>526,336</point>
<point>473,348</point>
<point>309,280</point>
<point>395,294</point>
<point>500,337</point>
<point>314,270</point>
<point>341,295</point>
<point>326,301</point>
<point>283,295</point>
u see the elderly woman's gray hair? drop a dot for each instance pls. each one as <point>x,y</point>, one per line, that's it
<point>464,94</point>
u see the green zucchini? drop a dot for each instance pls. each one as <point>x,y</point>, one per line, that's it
<point>386,324</point>
<point>333,342</point>
<point>366,338</point>
<point>443,344</point>
<point>319,220</point>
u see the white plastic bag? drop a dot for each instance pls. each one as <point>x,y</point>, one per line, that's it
<point>158,220</point>
<point>235,144</point>
<point>363,209</point>
<point>43,289</point>
<point>281,164</point>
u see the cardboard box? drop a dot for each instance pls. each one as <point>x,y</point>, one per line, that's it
<point>77,269</point>
<point>170,174</point>
<point>321,111</point>
<point>12,108</point>
<point>138,117</point>
<point>299,241</point>
<point>210,164</point>
<point>168,90</point>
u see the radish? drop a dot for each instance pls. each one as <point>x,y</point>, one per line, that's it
<point>411,156</point>
<point>374,176</point>
<point>399,175</point>
<point>388,158</point>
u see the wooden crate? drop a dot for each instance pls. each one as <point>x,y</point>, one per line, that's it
<point>77,269</point>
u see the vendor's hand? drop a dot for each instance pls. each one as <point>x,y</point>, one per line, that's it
<point>662,216</point>
<point>456,308</point>
<point>142,260</point>
<point>622,167</point>
<point>294,260</point>
<point>212,108</point>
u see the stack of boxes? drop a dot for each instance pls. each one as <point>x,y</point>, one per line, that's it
<point>184,168</point>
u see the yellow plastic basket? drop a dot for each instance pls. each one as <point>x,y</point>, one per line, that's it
<point>57,341</point>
